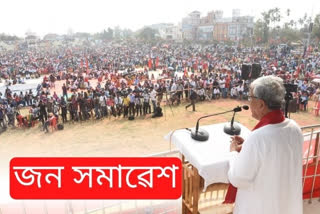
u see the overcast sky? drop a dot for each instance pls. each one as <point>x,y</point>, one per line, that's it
<point>57,16</point>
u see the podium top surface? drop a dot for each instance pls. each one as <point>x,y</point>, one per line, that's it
<point>210,157</point>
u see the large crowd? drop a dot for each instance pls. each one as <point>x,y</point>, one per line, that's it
<point>133,79</point>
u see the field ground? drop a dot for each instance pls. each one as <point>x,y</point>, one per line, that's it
<point>121,137</point>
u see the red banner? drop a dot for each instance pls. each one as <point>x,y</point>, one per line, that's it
<point>95,178</point>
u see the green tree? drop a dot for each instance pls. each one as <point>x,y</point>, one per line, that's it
<point>258,31</point>
<point>289,35</point>
<point>8,38</point>
<point>275,16</point>
<point>147,33</point>
<point>127,33</point>
<point>316,28</point>
<point>266,18</point>
<point>109,33</point>
<point>288,12</point>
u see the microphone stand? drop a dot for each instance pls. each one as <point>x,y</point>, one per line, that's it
<point>232,129</point>
<point>201,134</point>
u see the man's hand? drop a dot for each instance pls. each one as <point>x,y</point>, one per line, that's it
<point>238,139</point>
<point>236,143</point>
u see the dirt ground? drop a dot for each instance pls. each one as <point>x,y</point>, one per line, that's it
<point>121,137</point>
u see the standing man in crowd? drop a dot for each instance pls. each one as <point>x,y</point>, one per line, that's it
<point>267,166</point>
<point>146,102</point>
<point>63,106</point>
<point>193,98</point>
<point>43,112</point>
<point>65,91</point>
<point>222,85</point>
<point>153,97</point>
<point>2,124</point>
<point>132,98</point>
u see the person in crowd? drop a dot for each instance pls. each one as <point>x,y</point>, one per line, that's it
<point>153,97</point>
<point>193,98</point>
<point>216,93</point>
<point>63,107</point>
<point>43,112</point>
<point>2,115</point>
<point>304,101</point>
<point>146,102</point>
<point>126,102</point>
<point>132,99</point>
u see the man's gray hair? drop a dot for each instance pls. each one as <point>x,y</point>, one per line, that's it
<point>270,89</point>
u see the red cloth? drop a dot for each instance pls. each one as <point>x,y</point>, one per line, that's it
<point>273,117</point>
<point>53,122</point>
<point>309,181</point>
<point>20,120</point>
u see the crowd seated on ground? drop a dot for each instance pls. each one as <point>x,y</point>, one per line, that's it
<point>127,86</point>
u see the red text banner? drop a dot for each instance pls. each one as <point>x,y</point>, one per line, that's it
<point>95,178</point>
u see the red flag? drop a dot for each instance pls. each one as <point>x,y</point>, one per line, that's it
<point>157,61</point>
<point>87,65</point>
<point>150,64</point>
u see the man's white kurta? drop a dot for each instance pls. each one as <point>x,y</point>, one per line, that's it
<point>268,171</point>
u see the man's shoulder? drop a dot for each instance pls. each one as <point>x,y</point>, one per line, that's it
<point>288,125</point>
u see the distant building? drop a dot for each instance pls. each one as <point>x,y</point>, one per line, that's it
<point>168,31</point>
<point>190,24</point>
<point>221,30</point>
<point>235,12</point>
<point>205,32</point>
<point>31,40</point>
<point>161,28</point>
<point>206,28</point>
<point>173,33</point>
<point>214,26</point>
<point>240,27</point>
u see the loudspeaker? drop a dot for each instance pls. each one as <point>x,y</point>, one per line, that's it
<point>256,70</point>
<point>245,71</point>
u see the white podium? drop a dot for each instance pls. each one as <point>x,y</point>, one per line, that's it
<point>208,159</point>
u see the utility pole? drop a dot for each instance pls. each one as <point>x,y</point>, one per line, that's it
<point>309,34</point>
<point>310,29</point>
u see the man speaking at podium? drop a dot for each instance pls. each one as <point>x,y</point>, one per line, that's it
<point>267,166</point>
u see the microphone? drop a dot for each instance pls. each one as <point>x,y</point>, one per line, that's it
<point>234,129</point>
<point>201,134</point>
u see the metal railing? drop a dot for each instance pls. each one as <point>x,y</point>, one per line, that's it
<point>311,157</point>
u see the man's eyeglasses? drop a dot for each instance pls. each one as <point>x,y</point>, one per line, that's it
<point>250,98</point>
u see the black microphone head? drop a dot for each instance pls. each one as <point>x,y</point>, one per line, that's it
<point>237,109</point>
<point>245,107</point>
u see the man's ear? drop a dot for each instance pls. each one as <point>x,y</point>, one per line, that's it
<point>262,104</point>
